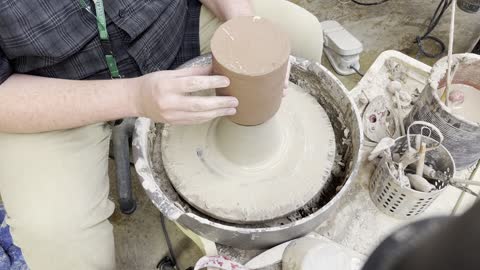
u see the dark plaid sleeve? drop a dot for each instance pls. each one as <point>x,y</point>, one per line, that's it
<point>59,38</point>
<point>5,68</point>
<point>191,41</point>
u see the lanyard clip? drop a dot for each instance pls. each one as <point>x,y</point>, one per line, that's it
<point>106,47</point>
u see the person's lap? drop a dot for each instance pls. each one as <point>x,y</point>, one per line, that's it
<point>55,185</point>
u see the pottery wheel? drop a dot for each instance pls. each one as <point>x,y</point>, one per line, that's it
<point>245,174</point>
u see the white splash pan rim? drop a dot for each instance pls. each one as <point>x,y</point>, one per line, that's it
<point>173,212</point>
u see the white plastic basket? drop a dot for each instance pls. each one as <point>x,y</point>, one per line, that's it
<point>403,202</point>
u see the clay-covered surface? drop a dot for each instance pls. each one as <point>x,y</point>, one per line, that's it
<point>247,175</point>
<point>344,117</point>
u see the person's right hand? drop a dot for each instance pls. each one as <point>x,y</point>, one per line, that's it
<point>163,96</point>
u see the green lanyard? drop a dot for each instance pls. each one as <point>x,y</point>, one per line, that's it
<point>104,40</point>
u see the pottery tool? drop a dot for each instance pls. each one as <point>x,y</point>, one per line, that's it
<point>460,184</point>
<point>418,142</point>
<point>421,149</point>
<point>466,182</point>
<point>421,159</point>
<point>394,87</point>
<point>402,178</point>
<point>433,175</point>
<point>418,155</point>
<point>419,183</point>
<point>446,93</point>
<point>426,130</point>
<point>428,171</point>
<point>382,149</point>
<point>378,121</point>
<point>410,156</point>
<point>417,180</point>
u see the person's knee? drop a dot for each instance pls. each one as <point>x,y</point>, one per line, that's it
<point>309,41</point>
<point>57,242</point>
<point>303,28</point>
<point>46,225</point>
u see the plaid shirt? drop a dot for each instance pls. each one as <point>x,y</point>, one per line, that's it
<point>59,38</point>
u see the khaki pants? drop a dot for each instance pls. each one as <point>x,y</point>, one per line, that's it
<point>55,186</point>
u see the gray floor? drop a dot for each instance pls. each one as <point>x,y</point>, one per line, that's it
<point>393,26</point>
<point>139,240</point>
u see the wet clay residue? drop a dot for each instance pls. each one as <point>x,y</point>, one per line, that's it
<point>347,137</point>
<point>468,109</point>
<point>216,168</point>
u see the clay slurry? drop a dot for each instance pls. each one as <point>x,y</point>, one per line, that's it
<point>469,108</point>
<point>221,170</point>
<point>253,53</point>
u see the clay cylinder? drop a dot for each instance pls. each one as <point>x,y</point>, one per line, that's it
<point>253,53</point>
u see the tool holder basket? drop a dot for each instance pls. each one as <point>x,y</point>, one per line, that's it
<point>403,202</point>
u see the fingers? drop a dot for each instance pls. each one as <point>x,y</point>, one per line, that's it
<point>190,118</point>
<point>185,72</point>
<point>197,83</point>
<point>201,104</point>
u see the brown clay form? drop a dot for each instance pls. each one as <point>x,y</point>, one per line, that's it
<point>253,53</point>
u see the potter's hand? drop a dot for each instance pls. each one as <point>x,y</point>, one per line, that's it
<point>163,96</point>
<point>229,9</point>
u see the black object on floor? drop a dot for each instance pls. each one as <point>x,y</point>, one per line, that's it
<point>437,15</point>
<point>169,262</point>
<point>443,243</point>
<point>476,49</point>
<point>369,3</point>
<point>469,6</point>
<point>166,264</point>
<point>167,239</point>
<point>121,141</point>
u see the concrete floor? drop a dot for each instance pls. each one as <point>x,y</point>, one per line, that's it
<point>139,240</point>
<point>393,26</point>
